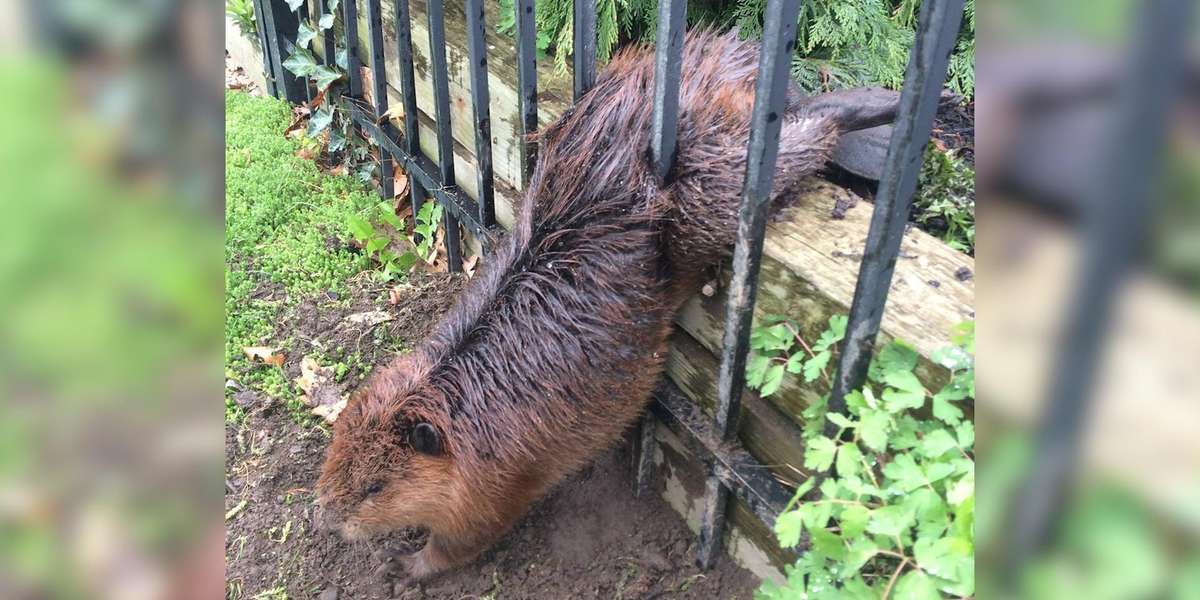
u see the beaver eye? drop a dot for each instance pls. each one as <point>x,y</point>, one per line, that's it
<point>374,488</point>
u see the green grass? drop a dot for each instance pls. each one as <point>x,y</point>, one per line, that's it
<point>279,212</point>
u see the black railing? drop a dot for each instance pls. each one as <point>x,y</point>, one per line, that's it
<point>731,470</point>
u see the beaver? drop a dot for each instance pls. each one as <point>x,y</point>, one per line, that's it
<point>551,352</point>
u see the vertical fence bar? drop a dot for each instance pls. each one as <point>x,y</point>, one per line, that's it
<point>330,51</point>
<point>353,72</point>
<point>584,40</point>
<point>441,103</point>
<point>937,29</point>
<point>477,57</point>
<point>412,133</point>
<point>1112,231</point>
<point>281,26</point>
<point>379,91</point>
<point>667,63</point>
<point>668,48</point>
<point>527,84</point>
<point>268,63</point>
<point>766,120</point>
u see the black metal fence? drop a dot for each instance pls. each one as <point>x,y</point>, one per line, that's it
<point>731,470</point>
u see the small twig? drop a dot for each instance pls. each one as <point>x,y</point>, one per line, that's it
<point>887,591</point>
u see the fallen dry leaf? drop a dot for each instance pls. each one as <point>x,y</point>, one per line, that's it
<point>399,185</point>
<point>339,170</point>
<point>369,318</point>
<point>470,264</point>
<point>368,86</point>
<point>320,390</point>
<point>305,153</point>
<point>330,412</point>
<point>264,354</point>
<point>395,112</point>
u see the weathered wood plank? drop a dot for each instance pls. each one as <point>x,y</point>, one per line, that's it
<point>810,262</point>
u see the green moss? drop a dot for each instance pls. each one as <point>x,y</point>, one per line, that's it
<point>281,215</point>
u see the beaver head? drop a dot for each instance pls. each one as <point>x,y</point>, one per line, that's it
<point>390,465</point>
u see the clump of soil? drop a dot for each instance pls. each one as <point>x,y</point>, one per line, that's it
<point>591,538</point>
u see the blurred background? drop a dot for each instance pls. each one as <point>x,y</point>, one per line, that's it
<point>110,291</point>
<point>1088,250</point>
<point>1088,259</point>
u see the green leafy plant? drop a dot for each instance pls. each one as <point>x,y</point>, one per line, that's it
<point>377,238</point>
<point>777,347</point>
<point>944,203</point>
<point>242,13</point>
<point>329,117</point>
<point>889,507</point>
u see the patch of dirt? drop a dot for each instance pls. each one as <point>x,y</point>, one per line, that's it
<point>589,539</point>
<point>237,79</point>
<point>954,129</point>
<point>329,324</point>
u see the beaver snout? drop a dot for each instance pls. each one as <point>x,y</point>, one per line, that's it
<point>323,518</point>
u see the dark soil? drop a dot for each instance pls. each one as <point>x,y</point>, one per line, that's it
<point>954,128</point>
<point>589,539</point>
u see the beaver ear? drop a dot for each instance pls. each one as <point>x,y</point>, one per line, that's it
<point>426,440</point>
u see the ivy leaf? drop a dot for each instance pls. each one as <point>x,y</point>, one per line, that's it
<point>812,369</point>
<point>890,521</point>
<point>301,62</point>
<point>853,521</point>
<point>848,460</point>
<point>771,380</point>
<point>337,140</point>
<point>818,453</point>
<point>788,528</point>
<point>319,121</point>
<point>916,585</point>
<point>326,21</point>
<point>305,34</point>
<point>295,4</point>
<point>342,59</point>
<point>937,443</point>
<point>873,429</point>
<point>325,76</point>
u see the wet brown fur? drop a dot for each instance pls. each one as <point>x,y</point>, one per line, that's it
<point>554,347</point>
